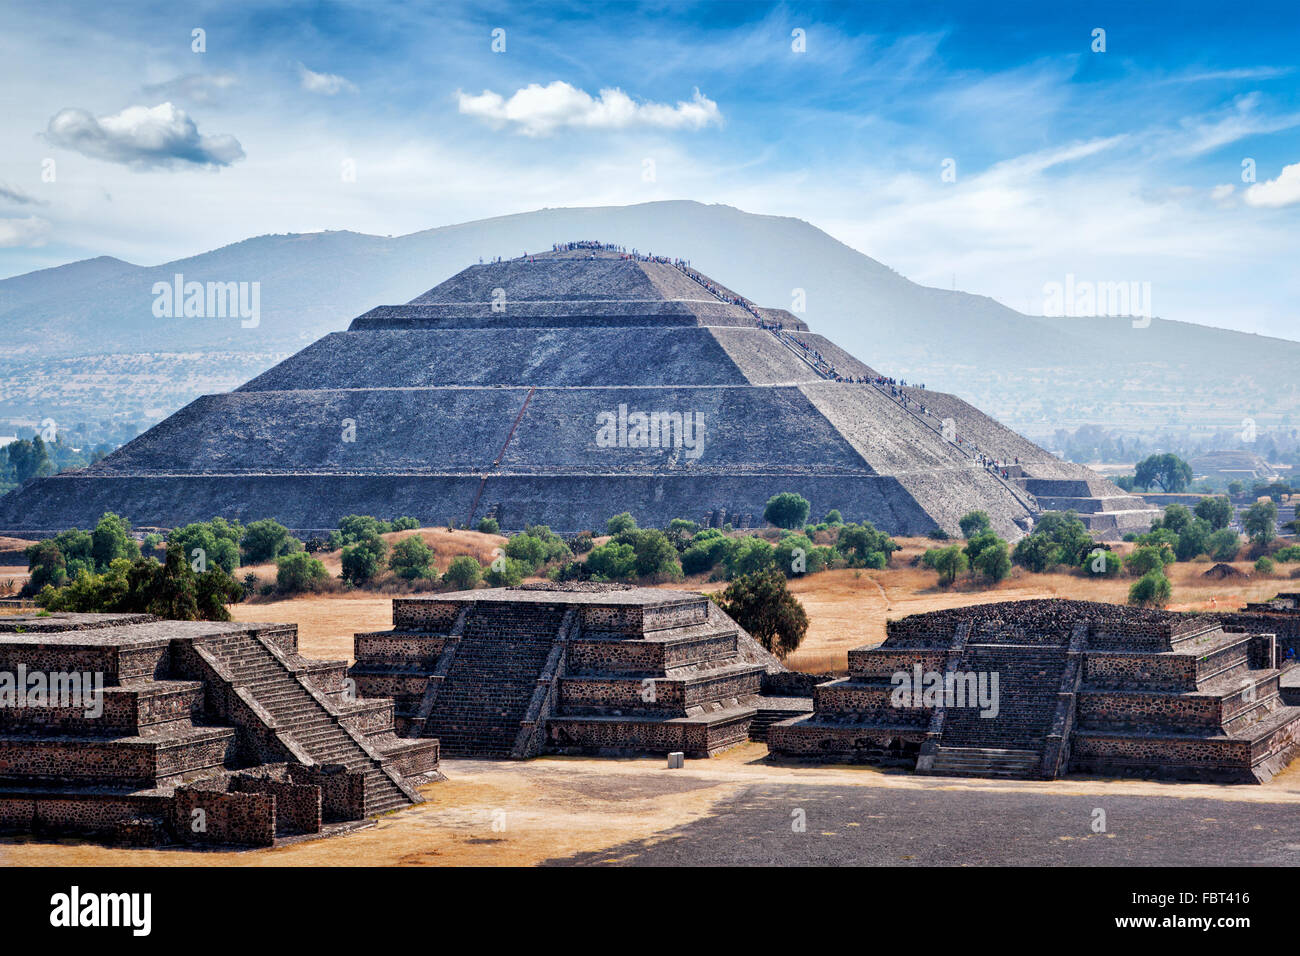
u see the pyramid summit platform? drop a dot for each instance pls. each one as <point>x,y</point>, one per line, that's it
<point>565,387</point>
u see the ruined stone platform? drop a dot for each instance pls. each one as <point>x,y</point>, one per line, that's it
<point>582,668</point>
<point>503,372</point>
<point>137,730</point>
<point>1082,687</point>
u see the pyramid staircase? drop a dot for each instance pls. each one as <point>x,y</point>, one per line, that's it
<point>302,716</point>
<point>498,660</point>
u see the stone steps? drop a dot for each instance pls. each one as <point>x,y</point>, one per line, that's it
<point>985,762</point>
<point>304,719</point>
<point>485,695</point>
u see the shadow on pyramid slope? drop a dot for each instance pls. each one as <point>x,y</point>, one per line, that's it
<point>564,387</point>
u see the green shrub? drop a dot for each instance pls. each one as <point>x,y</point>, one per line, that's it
<point>949,562</point>
<point>749,555</point>
<point>620,523</point>
<point>1148,558</point>
<point>489,526</point>
<point>582,543</point>
<point>206,544</point>
<point>859,542</point>
<point>463,573</point>
<point>612,561</point>
<point>505,573</point>
<point>833,517</point>
<point>297,572</point>
<point>1223,545</point>
<point>354,528</point>
<point>1100,563</point>
<point>266,540</point>
<point>993,562</point>
<point>1265,565</point>
<point>1151,590</point>
<point>1288,555</point>
<point>363,560</point>
<point>411,558</point>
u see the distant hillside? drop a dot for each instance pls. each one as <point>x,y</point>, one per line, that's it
<point>1026,370</point>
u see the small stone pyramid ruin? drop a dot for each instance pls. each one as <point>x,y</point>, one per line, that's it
<point>136,730</point>
<point>579,668</point>
<point>565,387</point>
<point>1084,687</point>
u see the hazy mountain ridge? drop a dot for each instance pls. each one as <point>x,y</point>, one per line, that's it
<point>311,284</point>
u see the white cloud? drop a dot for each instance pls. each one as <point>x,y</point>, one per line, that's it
<point>14,195</point>
<point>193,87</point>
<point>538,110</point>
<point>1282,191</point>
<point>31,231</point>
<point>1221,192</point>
<point>327,83</point>
<point>142,137</point>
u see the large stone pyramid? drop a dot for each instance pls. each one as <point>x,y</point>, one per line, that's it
<point>516,388</point>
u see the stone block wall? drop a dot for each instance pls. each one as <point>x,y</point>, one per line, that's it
<point>217,817</point>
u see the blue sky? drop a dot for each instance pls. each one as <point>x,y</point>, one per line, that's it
<point>1125,164</point>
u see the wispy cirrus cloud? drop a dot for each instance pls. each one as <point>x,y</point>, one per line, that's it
<point>142,137</point>
<point>16,196</point>
<point>539,110</point>
<point>328,84</point>
<point>192,87</point>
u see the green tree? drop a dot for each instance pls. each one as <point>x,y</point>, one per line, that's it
<point>612,561</point>
<point>787,510</point>
<point>1168,471</point>
<point>206,544</point>
<point>489,526</point>
<point>111,540</point>
<point>463,573</point>
<point>656,556</point>
<point>762,604</point>
<point>1148,558</point>
<point>863,546</point>
<point>1151,590</point>
<point>975,523</point>
<point>1217,511</point>
<point>505,573</point>
<point>1260,521</point>
<point>528,550</point>
<point>993,563</point>
<point>1177,518</point>
<point>750,556</point>
<point>949,562</point>
<point>267,540</point>
<point>620,523</point>
<point>404,524</point>
<point>833,517</point>
<point>362,561</point>
<point>1037,553</point>
<point>411,558</point>
<point>354,528</point>
<point>1102,563</point>
<point>1264,565</point>
<point>298,571</point>
<point>1223,545</point>
<point>1194,539</point>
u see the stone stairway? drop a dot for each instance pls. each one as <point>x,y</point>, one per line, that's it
<point>1029,683</point>
<point>985,762</point>
<point>303,719</point>
<point>484,698</point>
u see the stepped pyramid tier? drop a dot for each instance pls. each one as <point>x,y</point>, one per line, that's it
<point>1041,688</point>
<point>151,731</point>
<point>589,668</point>
<point>560,389</point>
